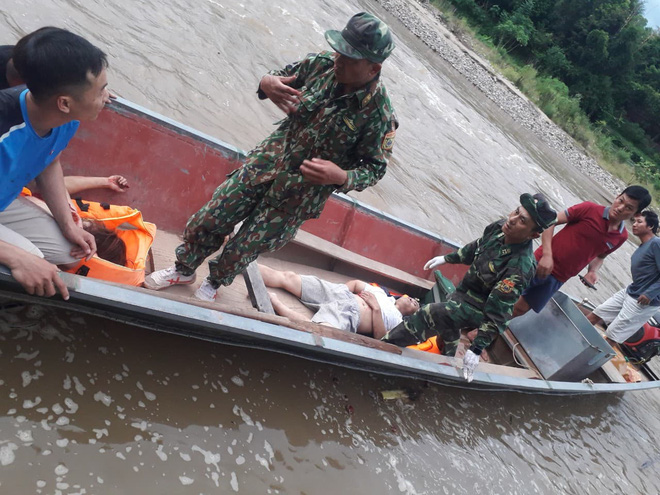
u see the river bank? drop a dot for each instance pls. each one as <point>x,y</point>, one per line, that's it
<point>427,23</point>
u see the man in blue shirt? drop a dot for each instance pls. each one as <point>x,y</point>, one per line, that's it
<point>66,83</point>
<point>630,308</point>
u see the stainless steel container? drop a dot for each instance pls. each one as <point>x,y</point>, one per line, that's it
<point>561,342</point>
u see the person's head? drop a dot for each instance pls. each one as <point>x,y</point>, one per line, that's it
<point>12,75</point>
<point>361,48</point>
<point>645,224</point>
<point>65,70</point>
<point>407,305</point>
<point>532,217</point>
<point>631,201</point>
<point>109,246</point>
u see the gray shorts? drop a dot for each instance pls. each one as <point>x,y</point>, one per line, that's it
<point>334,304</point>
<point>29,227</point>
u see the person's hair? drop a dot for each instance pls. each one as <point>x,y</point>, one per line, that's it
<point>639,194</point>
<point>109,246</point>
<point>651,219</point>
<point>52,61</point>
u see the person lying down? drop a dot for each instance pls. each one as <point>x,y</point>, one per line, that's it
<point>354,306</point>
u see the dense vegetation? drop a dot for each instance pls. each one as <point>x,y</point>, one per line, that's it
<point>593,66</point>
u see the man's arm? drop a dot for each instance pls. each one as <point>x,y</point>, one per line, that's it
<point>546,263</point>
<point>377,323</point>
<point>75,184</point>
<point>592,269</point>
<point>356,286</point>
<point>653,290</point>
<point>35,274</point>
<point>51,186</point>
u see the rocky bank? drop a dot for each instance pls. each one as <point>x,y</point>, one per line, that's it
<point>425,22</point>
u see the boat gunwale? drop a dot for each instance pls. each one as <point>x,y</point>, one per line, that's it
<point>86,294</point>
<point>128,108</point>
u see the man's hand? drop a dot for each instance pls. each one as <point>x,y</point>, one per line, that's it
<point>545,267</point>
<point>433,262</point>
<point>118,183</point>
<point>643,300</point>
<point>278,91</point>
<point>591,277</point>
<point>38,276</point>
<point>470,362</point>
<point>323,172</point>
<point>370,299</point>
<point>84,243</point>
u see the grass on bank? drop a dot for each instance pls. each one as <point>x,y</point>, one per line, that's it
<point>610,146</point>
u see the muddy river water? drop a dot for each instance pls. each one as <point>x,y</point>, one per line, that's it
<point>90,406</point>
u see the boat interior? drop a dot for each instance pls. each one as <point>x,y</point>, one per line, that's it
<point>311,255</point>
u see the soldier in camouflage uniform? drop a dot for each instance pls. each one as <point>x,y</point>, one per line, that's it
<point>338,136</point>
<point>501,265</point>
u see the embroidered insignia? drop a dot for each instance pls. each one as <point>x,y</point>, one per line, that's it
<point>349,123</point>
<point>506,286</point>
<point>388,141</point>
<point>366,99</point>
<point>506,251</point>
<point>491,266</point>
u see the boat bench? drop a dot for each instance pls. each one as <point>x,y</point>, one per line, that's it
<point>315,243</point>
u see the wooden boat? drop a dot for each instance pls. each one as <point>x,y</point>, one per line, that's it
<point>174,169</point>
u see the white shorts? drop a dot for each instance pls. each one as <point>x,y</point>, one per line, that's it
<point>624,315</point>
<point>27,226</point>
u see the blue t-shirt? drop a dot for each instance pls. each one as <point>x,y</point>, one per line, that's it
<point>23,154</point>
<point>645,268</point>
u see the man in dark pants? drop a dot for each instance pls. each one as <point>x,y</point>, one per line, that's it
<point>501,265</point>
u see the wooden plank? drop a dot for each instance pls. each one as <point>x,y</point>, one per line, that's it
<point>612,373</point>
<point>256,289</point>
<point>317,244</point>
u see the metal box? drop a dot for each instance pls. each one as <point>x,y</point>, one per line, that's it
<point>561,342</point>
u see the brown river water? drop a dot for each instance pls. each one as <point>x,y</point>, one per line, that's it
<point>90,406</point>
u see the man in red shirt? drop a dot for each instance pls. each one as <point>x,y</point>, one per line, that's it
<point>591,233</point>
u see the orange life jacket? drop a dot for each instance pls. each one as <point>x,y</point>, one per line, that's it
<point>431,345</point>
<point>137,234</point>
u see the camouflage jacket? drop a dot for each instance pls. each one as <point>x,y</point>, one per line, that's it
<point>497,276</point>
<point>355,131</point>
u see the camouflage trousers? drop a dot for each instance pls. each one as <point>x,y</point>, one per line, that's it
<point>445,319</point>
<point>264,228</point>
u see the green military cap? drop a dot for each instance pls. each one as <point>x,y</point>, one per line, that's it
<point>539,209</point>
<point>365,36</point>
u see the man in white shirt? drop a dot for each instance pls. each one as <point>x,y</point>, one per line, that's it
<point>354,306</point>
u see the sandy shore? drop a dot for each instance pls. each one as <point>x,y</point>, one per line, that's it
<point>424,21</point>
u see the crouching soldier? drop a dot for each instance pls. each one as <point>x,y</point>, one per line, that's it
<point>501,265</point>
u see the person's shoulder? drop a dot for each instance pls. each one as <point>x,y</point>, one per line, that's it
<point>384,104</point>
<point>323,60</point>
<point>10,108</point>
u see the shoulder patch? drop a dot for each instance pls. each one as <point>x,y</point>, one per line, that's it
<point>505,286</point>
<point>388,141</point>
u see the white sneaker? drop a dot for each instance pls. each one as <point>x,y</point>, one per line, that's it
<point>162,279</point>
<point>206,292</point>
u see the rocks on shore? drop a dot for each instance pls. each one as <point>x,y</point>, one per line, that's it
<point>429,25</point>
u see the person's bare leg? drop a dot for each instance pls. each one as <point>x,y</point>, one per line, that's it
<point>594,319</point>
<point>283,310</point>
<point>520,308</point>
<point>289,281</point>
